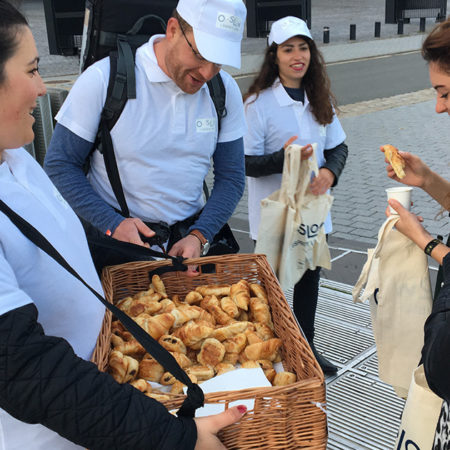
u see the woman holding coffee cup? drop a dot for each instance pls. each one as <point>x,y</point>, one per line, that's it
<point>436,51</point>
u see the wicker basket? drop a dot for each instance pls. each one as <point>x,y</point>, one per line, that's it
<point>284,417</point>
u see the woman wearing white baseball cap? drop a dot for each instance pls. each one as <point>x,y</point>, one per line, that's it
<point>291,101</point>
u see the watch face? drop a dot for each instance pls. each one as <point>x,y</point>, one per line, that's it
<point>205,248</point>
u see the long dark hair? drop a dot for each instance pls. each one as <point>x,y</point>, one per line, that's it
<point>11,21</point>
<point>436,47</point>
<point>315,81</point>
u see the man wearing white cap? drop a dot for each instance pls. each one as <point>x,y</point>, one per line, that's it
<point>165,138</point>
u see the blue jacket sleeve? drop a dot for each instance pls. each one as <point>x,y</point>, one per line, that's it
<point>436,349</point>
<point>229,184</point>
<point>64,164</point>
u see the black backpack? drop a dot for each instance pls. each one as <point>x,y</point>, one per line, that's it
<point>117,28</point>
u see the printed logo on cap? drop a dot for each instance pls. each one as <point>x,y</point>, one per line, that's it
<point>228,22</point>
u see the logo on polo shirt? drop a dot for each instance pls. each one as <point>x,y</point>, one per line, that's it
<point>205,125</point>
<point>228,22</point>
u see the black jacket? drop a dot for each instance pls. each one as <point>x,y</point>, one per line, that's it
<point>436,349</point>
<point>259,166</point>
<point>43,381</point>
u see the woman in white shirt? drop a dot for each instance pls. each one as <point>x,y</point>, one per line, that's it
<point>290,101</point>
<point>51,396</point>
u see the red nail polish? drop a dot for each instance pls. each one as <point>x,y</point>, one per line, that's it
<point>242,409</point>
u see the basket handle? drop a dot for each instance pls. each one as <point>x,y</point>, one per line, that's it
<point>195,396</point>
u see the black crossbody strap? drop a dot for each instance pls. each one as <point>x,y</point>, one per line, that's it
<point>195,397</point>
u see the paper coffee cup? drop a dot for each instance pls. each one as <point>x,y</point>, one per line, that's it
<point>402,194</point>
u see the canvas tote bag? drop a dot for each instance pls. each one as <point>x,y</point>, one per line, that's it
<point>291,231</point>
<point>399,293</point>
<point>420,416</point>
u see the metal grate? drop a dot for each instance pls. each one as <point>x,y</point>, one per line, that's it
<point>363,413</point>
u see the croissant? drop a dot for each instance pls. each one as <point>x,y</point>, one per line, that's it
<point>202,373</point>
<point>250,365</point>
<point>229,331</point>
<point>252,337</point>
<point>193,297</point>
<point>158,397</point>
<point>212,305</point>
<point>217,290</point>
<point>123,368</point>
<point>167,305</point>
<point>192,333</point>
<point>172,343</point>
<point>155,326</point>
<point>260,312</point>
<point>263,331</point>
<point>177,301</point>
<point>243,316</point>
<point>231,358</point>
<point>177,387</point>
<point>235,344</point>
<point>167,379</point>
<point>205,315</point>
<point>141,385</point>
<point>140,294</point>
<point>182,360</point>
<point>229,307</point>
<point>211,353</point>
<point>158,285</point>
<point>131,348</point>
<point>183,314</point>
<point>284,378</point>
<point>270,374</point>
<point>396,160</point>
<point>223,368</point>
<point>260,292</point>
<point>150,369</point>
<point>240,293</point>
<point>263,350</point>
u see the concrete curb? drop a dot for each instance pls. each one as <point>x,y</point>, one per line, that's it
<point>333,53</point>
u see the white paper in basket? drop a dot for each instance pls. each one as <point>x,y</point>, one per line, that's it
<point>232,381</point>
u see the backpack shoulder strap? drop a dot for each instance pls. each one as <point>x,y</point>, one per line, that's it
<point>218,95</point>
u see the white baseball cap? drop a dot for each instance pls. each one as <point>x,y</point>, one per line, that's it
<point>287,27</point>
<point>218,26</point>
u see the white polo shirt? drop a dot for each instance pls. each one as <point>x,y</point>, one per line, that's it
<point>272,119</point>
<point>28,275</point>
<point>163,140</point>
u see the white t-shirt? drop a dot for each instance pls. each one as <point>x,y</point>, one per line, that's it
<point>163,140</point>
<point>272,119</point>
<point>28,275</point>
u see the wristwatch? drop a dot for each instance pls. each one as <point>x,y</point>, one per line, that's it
<point>204,243</point>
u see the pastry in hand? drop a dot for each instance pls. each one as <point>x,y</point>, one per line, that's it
<point>284,378</point>
<point>395,159</point>
<point>211,353</point>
